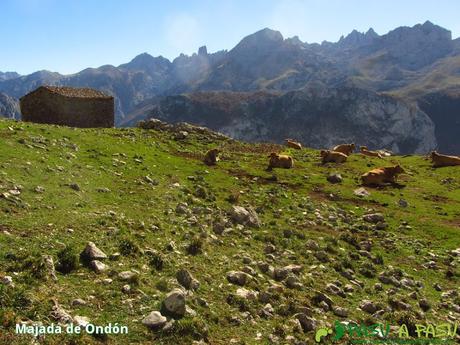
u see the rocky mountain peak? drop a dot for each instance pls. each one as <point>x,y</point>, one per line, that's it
<point>262,40</point>
<point>203,51</point>
<point>8,75</point>
<point>148,63</point>
<point>355,38</point>
<point>419,45</point>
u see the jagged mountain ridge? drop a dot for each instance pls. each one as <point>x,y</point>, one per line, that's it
<point>394,63</point>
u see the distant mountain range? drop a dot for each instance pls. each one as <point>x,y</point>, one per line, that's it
<point>400,90</point>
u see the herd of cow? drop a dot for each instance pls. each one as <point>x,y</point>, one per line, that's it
<point>339,154</point>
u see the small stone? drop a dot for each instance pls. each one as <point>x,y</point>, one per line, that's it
<point>238,277</point>
<point>98,266</point>
<point>174,304</point>
<point>334,289</point>
<point>374,218</point>
<point>81,321</point>
<point>339,311</point>
<point>361,192</point>
<point>127,275</point>
<point>403,203</point>
<point>247,294</point>
<point>335,178</point>
<point>378,287</point>
<point>368,307</point>
<point>293,282</point>
<point>75,187</point>
<point>39,189</point>
<point>245,216</point>
<point>154,320</point>
<point>308,323</point>
<point>424,304</point>
<point>6,280</point>
<point>186,279</point>
<point>91,252</point>
<point>126,288</point>
<point>78,301</point>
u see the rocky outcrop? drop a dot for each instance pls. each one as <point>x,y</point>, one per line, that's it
<point>444,110</point>
<point>318,117</point>
<point>9,107</point>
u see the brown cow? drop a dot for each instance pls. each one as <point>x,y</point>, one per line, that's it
<point>346,149</point>
<point>381,176</point>
<point>440,160</point>
<point>333,156</point>
<point>211,157</point>
<point>369,153</point>
<point>280,161</point>
<point>293,144</point>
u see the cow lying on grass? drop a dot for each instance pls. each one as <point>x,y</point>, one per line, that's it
<point>440,160</point>
<point>211,157</point>
<point>293,144</point>
<point>333,156</point>
<point>280,161</point>
<point>380,176</point>
<point>369,153</point>
<point>346,149</point>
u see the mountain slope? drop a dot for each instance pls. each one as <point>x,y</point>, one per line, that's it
<point>9,107</point>
<point>147,201</point>
<point>318,117</point>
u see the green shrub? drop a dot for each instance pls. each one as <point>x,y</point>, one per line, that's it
<point>67,260</point>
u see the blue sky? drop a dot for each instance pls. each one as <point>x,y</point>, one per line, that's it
<point>69,35</point>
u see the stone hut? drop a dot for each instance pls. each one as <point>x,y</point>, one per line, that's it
<point>68,106</point>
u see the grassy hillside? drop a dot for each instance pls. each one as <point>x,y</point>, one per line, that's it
<point>120,188</point>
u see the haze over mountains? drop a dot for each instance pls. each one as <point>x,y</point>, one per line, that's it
<point>400,90</point>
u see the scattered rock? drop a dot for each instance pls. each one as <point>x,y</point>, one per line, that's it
<point>247,294</point>
<point>238,277</point>
<point>91,252</point>
<point>424,304</point>
<point>339,311</point>
<point>281,273</point>
<point>75,187</point>
<point>368,307</point>
<point>293,282</point>
<point>174,304</point>
<point>334,289</point>
<point>374,218</point>
<point>98,266</point>
<point>361,192</point>
<point>127,276</point>
<point>403,203</point>
<point>59,314</point>
<point>322,297</point>
<point>154,320</point>
<point>186,279</point>
<point>335,178</point>
<point>81,321</point>
<point>78,301</point>
<point>308,323</point>
<point>6,280</point>
<point>245,216</point>
<point>49,266</point>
